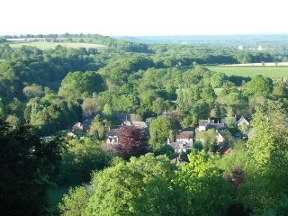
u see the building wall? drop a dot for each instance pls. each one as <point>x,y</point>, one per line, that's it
<point>190,141</point>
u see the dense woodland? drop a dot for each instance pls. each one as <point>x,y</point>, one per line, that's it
<point>43,93</point>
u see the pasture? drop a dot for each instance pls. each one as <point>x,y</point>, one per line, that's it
<point>51,45</point>
<point>274,72</point>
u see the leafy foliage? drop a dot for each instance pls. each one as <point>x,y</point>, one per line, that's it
<point>143,180</point>
<point>78,85</point>
<point>132,141</point>
<point>79,159</point>
<point>206,191</point>
<point>159,132</point>
<point>25,163</point>
<point>268,151</point>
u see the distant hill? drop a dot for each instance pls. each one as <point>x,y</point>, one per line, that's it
<point>51,45</point>
<point>71,38</point>
<point>74,41</point>
<point>240,40</point>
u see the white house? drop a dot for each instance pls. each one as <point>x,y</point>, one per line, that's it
<point>180,147</point>
<point>185,137</point>
<point>184,141</point>
<point>78,127</point>
<point>210,124</point>
<point>203,125</point>
<point>242,121</point>
<point>220,138</point>
<point>112,137</point>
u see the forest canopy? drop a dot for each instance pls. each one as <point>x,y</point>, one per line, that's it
<point>134,128</point>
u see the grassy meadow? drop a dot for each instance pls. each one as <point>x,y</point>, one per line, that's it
<point>250,71</point>
<point>51,45</point>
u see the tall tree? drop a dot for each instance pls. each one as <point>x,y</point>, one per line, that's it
<point>91,106</point>
<point>267,148</point>
<point>138,187</point>
<point>205,189</point>
<point>261,86</point>
<point>77,85</point>
<point>132,141</point>
<point>25,162</point>
<point>159,132</point>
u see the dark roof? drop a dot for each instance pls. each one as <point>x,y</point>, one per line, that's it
<point>185,135</point>
<point>217,126</point>
<point>113,132</point>
<point>138,124</point>
<point>87,122</point>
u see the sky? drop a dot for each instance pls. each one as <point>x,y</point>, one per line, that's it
<point>143,17</point>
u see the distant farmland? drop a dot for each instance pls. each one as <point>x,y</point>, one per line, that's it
<point>51,45</point>
<point>250,71</point>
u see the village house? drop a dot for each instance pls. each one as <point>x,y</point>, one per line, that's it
<point>138,124</point>
<point>243,121</point>
<point>184,141</point>
<point>112,137</point>
<point>78,127</point>
<point>204,125</point>
<point>185,137</point>
<point>219,137</point>
<point>71,134</point>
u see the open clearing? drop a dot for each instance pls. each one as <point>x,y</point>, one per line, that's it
<point>51,45</point>
<point>250,71</point>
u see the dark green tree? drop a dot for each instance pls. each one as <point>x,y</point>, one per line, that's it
<point>265,183</point>
<point>25,163</point>
<point>159,132</point>
<point>78,85</point>
<point>261,86</point>
<point>139,187</point>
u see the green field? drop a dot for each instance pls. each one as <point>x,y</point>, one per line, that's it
<point>272,72</point>
<point>51,45</point>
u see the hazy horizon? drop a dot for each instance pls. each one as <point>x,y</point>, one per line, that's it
<point>195,35</point>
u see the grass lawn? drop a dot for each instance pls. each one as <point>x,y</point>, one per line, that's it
<point>51,45</point>
<point>251,71</point>
<point>55,196</point>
